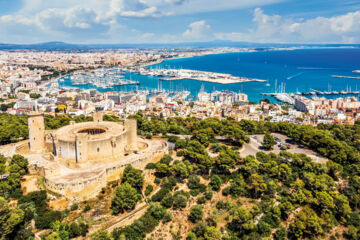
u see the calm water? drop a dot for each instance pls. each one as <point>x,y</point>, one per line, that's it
<point>298,70</point>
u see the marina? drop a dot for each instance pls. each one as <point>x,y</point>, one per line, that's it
<point>101,78</point>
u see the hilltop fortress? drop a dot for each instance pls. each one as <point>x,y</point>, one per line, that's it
<point>78,160</point>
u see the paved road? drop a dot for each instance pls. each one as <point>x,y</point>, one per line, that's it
<point>254,146</point>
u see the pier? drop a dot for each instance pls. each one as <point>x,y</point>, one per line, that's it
<point>180,74</point>
<point>351,77</point>
<point>317,92</point>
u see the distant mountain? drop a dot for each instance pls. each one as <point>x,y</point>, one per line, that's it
<point>41,46</point>
<point>57,46</point>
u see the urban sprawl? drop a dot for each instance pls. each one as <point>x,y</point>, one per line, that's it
<point>29,81</point>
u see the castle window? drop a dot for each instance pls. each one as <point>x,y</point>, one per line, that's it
<point>98,149</point>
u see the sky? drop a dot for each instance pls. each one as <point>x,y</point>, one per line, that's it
<point>174,21</point>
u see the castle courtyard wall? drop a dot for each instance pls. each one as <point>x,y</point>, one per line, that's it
<point>81,189</point>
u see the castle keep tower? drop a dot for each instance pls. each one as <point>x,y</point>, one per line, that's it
<point>98,116</point>
<point>131,135</point>
<point>36,132</point>
<point>81,147</point>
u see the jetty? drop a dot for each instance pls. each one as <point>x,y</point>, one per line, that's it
<point>180,74</point>
<point>317,92</point>
<point>338,76</point>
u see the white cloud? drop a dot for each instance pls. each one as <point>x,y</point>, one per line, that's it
<point>274,28</point>
<point>80,23</point>
<point>198,31</point>
<point>134,8</point>
<point>143,8</point>
<point>101,21</point>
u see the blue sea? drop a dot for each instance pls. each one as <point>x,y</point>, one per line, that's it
<point>296,70</point>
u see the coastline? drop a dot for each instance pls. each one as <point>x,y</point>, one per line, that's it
<point>183,57</point>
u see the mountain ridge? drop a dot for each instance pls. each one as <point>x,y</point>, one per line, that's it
<point>59,45</point>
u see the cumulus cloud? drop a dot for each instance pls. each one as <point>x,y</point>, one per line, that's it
<point>198,31</point>
<point>158,8</point>
<point>105,20</point>
<point>134,8</point>
<point>78,22</point>
<point>68,19</point>
<point>275,28</point>
<point>144,8</point>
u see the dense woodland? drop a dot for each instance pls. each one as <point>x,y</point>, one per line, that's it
<point>290,196</point>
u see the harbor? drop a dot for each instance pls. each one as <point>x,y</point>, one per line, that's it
<point>316,76</point>
<point>281,95</point>
<point>102,78</point>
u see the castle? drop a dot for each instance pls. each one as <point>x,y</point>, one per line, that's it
<point>79,159</point>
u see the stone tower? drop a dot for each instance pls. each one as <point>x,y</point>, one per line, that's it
<point>81,147</point>
<point>98,116</point>
<point>131,135</point>
<point>36,132</point>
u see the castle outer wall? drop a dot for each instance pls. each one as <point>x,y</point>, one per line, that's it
<point>84,185</point>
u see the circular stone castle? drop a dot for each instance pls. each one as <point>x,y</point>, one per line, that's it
<point>78,160</point>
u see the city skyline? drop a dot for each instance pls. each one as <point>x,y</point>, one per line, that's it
<point>174,21</point>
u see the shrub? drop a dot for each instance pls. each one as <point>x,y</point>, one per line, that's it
<point>180,153</point>
<point>157,181</point>
<point>167,201</point>
<point>196,213</point>
<point>201,200</point>
<point>166,159</point>
<point>226,191</point>
<point>157,197</point>
<point>150,166</point>
<point>74,207</point>
<point>180,199</point>
<point>191,236</point>
<point>167,217</point>
<point>149,189</point>
<point>209,195</point>
<point>44,221</point>
<point>215,182</point>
